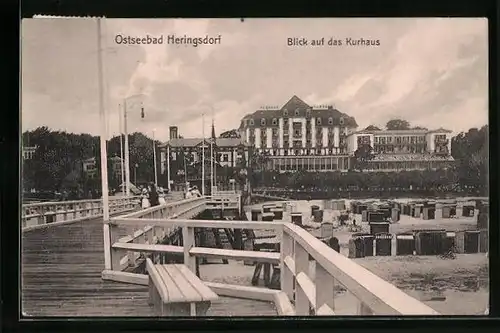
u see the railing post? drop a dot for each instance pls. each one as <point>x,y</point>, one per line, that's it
<point>301,266</point>
<point>116,254</point>
<point>363,309</point>
<point>286,276</point>
<point>188,243</point>
<point>325,290</point>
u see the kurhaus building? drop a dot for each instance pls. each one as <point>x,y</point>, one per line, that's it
<point>299,136</point>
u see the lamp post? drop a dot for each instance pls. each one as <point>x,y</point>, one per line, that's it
<point>154,158</point>
<point>135,173</point>
<point>104,160</point>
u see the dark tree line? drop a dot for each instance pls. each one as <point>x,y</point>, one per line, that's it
<point>57,163</point>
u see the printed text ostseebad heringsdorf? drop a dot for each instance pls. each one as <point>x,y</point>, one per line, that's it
<point>168,39</point>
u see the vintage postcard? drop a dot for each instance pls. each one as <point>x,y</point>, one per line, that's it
<point>254,167</point>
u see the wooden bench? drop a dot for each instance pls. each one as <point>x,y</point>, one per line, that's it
<point>176,291</point>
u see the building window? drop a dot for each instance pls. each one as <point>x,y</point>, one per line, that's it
<point>286,152</point>
<point>296,112</point>
<point>263,122</point>
<point>285,112</point>
<point>275,121</point>
<point>318,121</point>
<point>341,120</point>
<point>297,132</point>
<point>251,122</point>
<point>285,121</point>
<point>308,112</point>
<point>330,121</point>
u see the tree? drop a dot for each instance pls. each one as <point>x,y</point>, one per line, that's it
<point>232,134</point>
<point>419,128</point>
<point>397,124</point>
<point>362,155</point>
<point>372,128</point>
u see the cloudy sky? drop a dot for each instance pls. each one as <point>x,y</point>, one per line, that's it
<point>432,72</point>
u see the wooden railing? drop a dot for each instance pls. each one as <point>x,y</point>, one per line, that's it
<point>224,201</point>
<point>313,289</point>
<point>39,215</point>
<point>309,285</point>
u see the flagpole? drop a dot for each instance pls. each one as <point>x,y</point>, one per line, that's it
<point>104,160</point>
<point>127,153</point>
<point>203,155</point>
<point>211,164</point>
<point>122,166</point>
<point>168,165</point>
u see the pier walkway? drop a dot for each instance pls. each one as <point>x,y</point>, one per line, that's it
<point>82,266</point>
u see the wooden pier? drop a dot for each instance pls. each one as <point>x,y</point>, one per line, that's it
<point>70,269</point>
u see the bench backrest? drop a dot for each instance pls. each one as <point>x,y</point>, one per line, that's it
<point>177,284</point>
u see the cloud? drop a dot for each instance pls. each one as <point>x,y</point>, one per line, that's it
<point>429,71</point>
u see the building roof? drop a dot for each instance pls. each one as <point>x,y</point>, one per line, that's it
<point>295,104</point>
<point>193,142</point>
<point>402,132</point>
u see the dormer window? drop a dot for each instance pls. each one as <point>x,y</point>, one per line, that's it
<point>285,112</point>
<point>330,121</point>
<point>341,120</point>
<point>297,112</point>
<point>275,121</point>
<point>263,122</point>
<point>251,122</point>
<point>318,121</point>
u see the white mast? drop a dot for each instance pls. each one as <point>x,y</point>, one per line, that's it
<point>127,159</point>
<point>203,156</point>
<point>104,160</point>
<point>122,166</point>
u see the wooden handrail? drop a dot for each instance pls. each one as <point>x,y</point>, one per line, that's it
<point>380,296</point>
<point>375,295</point>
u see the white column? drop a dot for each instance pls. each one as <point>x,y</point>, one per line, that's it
<point>247,131</point>
<point>257,138</point>
<point>313,132</point>
<point>290,133</point>
<point>269,137</point>
<point>324,133</point>
<point>281,133</point>
<point>303,133</point>
<point>336,137</point>
<point>162,161</point>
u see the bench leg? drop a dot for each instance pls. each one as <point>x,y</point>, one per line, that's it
<point>184,309</point>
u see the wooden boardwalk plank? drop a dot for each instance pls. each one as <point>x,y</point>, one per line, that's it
<point>61,276</point>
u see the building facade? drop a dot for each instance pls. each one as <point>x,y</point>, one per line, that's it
<point>396,150</point>
<point>90,169</point>
<point>228,152</point>
<point>29,152</point>
<point>298,136</point>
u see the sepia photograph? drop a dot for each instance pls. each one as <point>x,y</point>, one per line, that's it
<point>254,167</point>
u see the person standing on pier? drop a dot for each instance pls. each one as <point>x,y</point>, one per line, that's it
<point>161,196</point>
<point>145,199</point>
<point>195,192</point>
<point>153,195</point>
